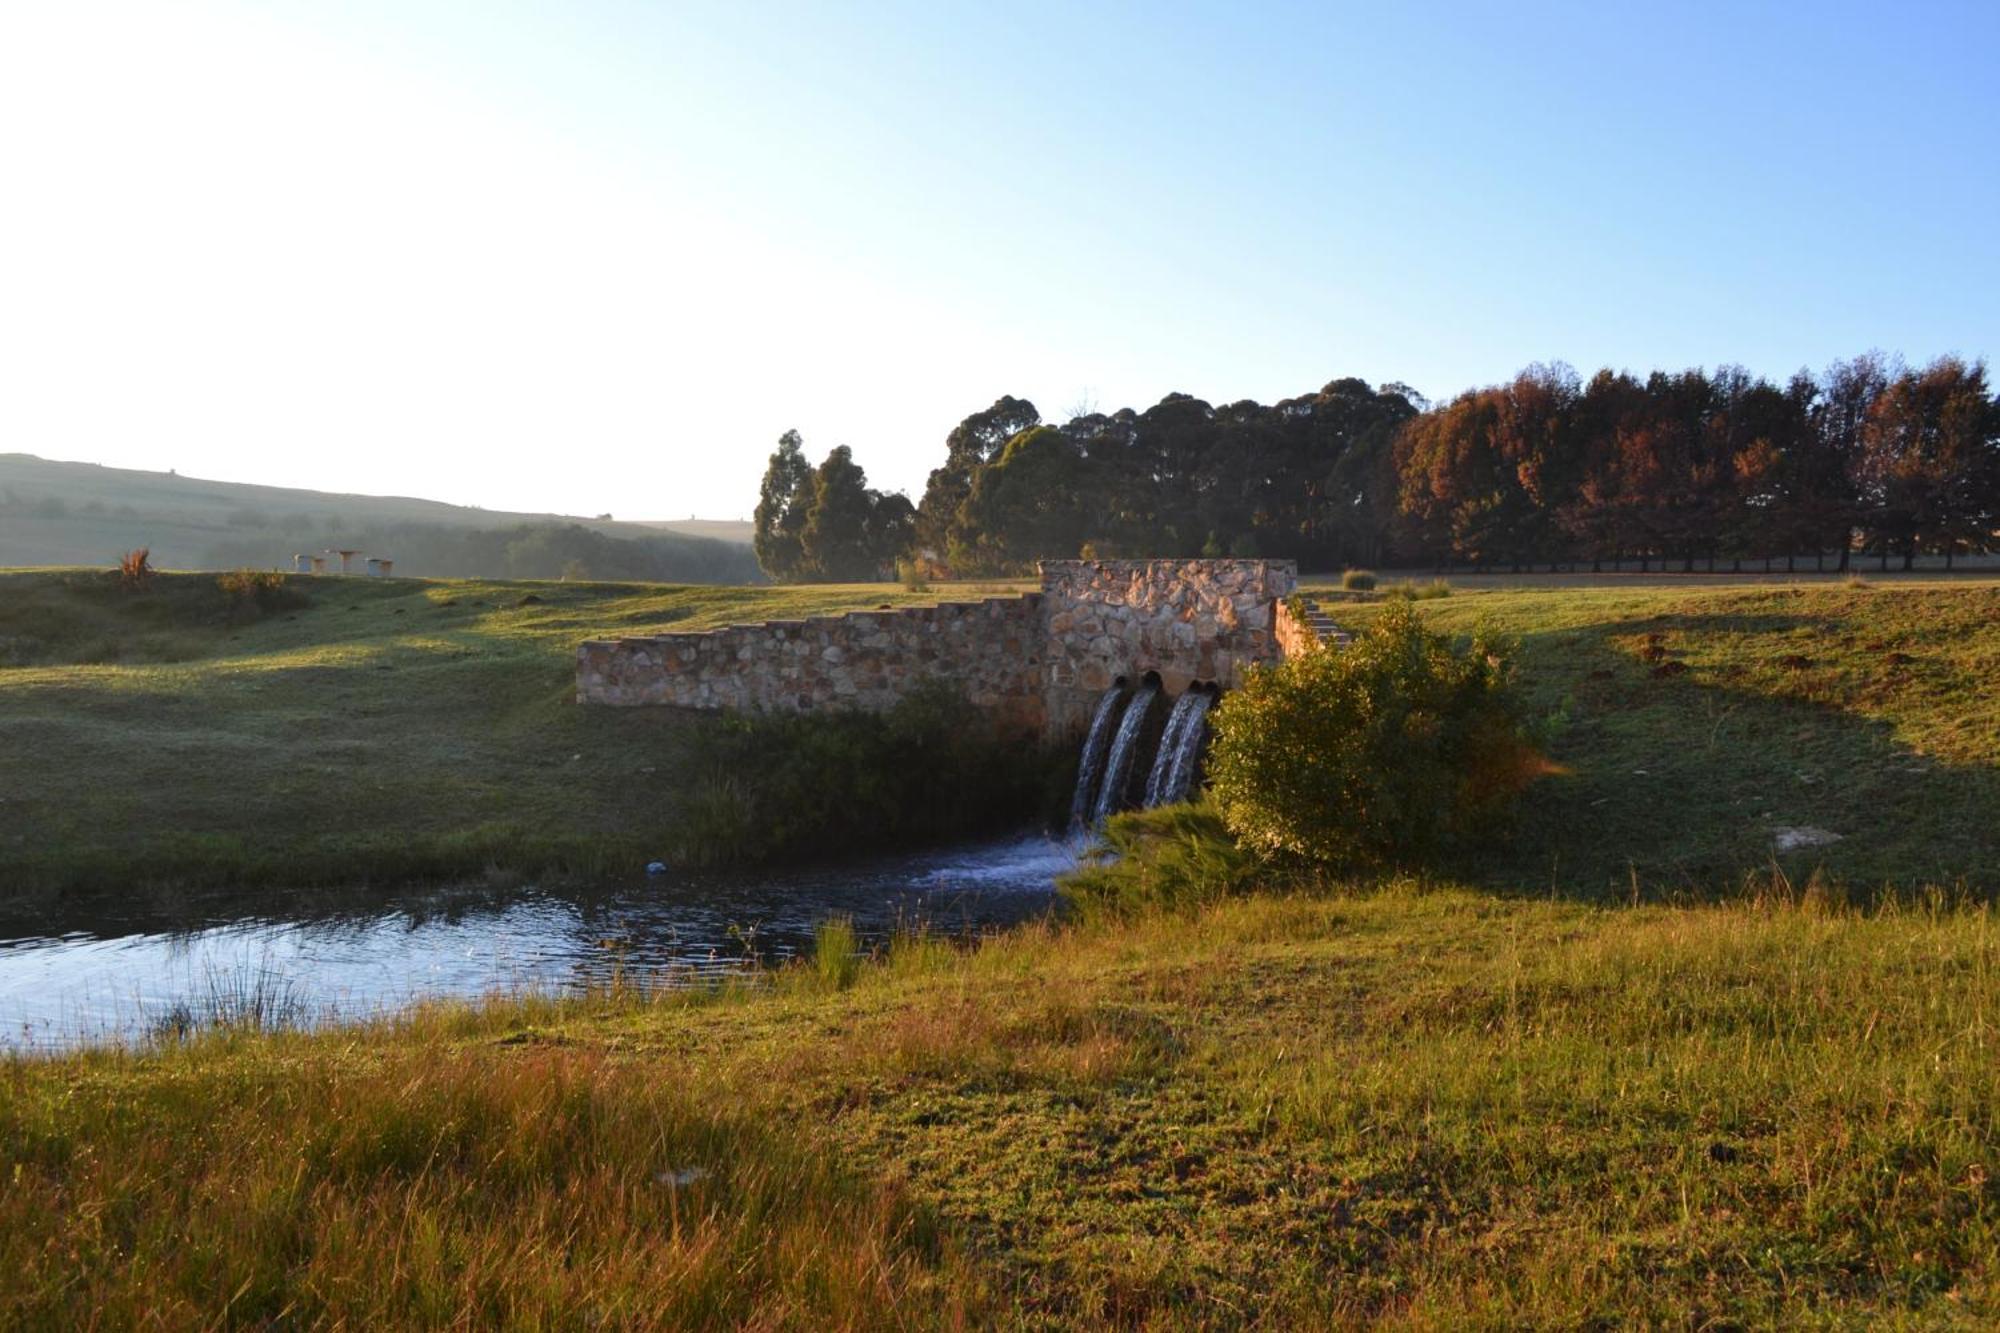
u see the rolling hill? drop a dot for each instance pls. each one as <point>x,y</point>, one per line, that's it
<point>57,513</point>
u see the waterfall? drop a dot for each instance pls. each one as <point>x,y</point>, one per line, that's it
<point>1180,750</point>
<point>1158,780</point>
<point>1094,747</point>
<point>1118,767</point>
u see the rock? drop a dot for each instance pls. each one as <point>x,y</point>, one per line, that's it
<point>1794,838</point>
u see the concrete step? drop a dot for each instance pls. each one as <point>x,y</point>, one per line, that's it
<point>1323,625</point>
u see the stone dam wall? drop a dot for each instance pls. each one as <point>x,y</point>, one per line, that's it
<point>1039,660</point>
<point>863,660</point>
<point>1182,620</point>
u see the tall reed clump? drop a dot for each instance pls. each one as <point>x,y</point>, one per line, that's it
<point>249,1184</point>
<point>1163,859</point>
<point>836,953</point>
<point>1358,580</point>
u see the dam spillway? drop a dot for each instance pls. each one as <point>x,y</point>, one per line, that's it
<point>1121,746</point>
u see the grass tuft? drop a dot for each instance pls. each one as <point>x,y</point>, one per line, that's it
<point>836,953</point>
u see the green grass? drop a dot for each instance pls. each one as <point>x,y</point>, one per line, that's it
<point>1416,1104</point>
<point>392,729</point>
<point>1512,1094</point>
<point>1694,722</point>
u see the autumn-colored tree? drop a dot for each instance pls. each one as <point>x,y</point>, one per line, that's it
<point>1927,466</point>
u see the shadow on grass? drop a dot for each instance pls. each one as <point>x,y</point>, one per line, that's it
<point>1691,741</point>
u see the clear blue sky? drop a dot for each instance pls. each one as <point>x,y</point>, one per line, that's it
<point>597,256</point>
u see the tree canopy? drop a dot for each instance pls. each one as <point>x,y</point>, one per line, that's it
<point>824,524</point>
<point>1678,468</point>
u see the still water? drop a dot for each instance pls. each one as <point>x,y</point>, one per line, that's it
<point>105,969</point>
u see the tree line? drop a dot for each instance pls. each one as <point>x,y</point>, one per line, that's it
<point>1680,470</point>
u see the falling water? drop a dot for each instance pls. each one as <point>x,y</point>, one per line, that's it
<point>1094,747</point>
<point>1118,768</point>
<point>1184,754</point>
<point>1163,763</point>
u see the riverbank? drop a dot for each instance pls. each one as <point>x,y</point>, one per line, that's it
<point>1415,1103</point>
<point>402,730</point>
<point>363,730</point>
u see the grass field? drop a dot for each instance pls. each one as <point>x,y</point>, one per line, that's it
<point>1694,723</point>
<point>1421,1105</point>
<point>1635,1068</point>
<point>407,729</point>
<point>388,729</point>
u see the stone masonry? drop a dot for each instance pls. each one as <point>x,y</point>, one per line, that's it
<point>1039,660</point>
<point>1183,620</point>
<point>861,660</point>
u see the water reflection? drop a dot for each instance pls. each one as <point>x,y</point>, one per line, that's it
<point>115,968</point>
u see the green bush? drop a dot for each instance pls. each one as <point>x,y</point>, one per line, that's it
<point>1172,856</point>
<point>1376,755</point>
<point>1409,590</point>
<point>1358,580</point>
<point>259,592</point>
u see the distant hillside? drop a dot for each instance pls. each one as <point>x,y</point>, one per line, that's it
<point>54,513</point>
<point>738,530</point>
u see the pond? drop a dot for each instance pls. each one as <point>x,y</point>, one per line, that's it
<point>106,969</point>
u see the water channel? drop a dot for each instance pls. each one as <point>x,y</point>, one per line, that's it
<point>107,968</point>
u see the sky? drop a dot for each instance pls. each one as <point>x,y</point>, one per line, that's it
<point>596,257</point>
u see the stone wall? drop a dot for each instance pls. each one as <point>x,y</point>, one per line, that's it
<point>992,650</point>
<point>1186,620</point>
<point>1039,660</point>
<point>1295,636</point>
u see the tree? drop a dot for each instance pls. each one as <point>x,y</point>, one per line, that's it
<point>892,524</point>
<point>1030,503</point>
<point>783,503</point>
<point>972,444</point>
<point>1928,461</point>
<point>836,535</point>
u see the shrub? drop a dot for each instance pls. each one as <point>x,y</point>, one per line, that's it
<point>1410,590</point>
<point>260,591</point>
<point>911,573</point>
<point>1172,856</point>
<point>135,568</point>
<point>1358,580</point>
<point>1376,755</point>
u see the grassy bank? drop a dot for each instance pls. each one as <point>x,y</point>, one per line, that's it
<point>402,729</point>
<point>1695,724</point>
<point>1420,1104</point>
<point>1572,1084</point>
<point>382,729</point>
